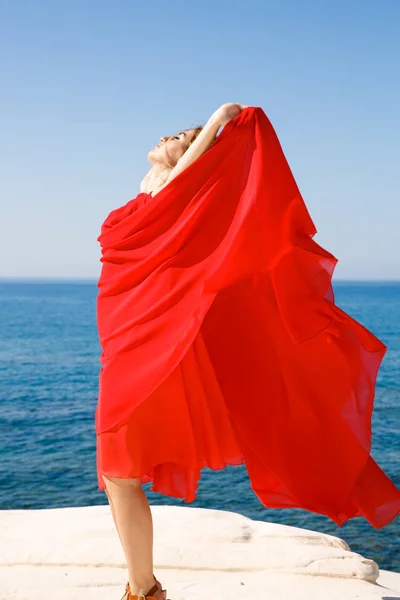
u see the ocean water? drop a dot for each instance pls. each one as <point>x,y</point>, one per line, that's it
<point>49,364</point>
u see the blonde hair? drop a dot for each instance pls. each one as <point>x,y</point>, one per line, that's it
<point>197,131</point>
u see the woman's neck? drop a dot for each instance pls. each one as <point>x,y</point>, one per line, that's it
<point>155,178</point>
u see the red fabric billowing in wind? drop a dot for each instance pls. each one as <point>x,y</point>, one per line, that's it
<point>222,344</point>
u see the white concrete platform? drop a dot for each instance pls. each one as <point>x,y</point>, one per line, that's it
<point>199,554</point>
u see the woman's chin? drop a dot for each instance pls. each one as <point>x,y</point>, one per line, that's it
<point>153,155</point>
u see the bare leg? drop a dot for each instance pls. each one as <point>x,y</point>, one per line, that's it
<point>133,520</point>
<point>112,511</point>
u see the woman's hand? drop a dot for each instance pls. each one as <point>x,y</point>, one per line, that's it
<point>227,112</point>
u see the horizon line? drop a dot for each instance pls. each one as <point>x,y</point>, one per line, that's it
<point>49,278</point>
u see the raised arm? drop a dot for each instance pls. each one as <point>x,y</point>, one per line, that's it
<point>203,141</point>
<point>197,148</point>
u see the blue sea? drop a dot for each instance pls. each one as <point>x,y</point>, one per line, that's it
<point>49,365</point>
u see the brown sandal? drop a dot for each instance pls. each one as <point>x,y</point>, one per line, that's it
<point>154,590</point>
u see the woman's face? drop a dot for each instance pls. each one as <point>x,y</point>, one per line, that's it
<point>170,148</point>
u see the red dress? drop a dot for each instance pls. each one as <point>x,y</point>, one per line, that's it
<point>182,426</point>
<point>222,344</point>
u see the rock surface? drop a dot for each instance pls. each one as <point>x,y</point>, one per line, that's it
<point>74,554</point>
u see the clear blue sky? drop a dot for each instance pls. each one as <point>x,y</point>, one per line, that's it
<point>89,86</point>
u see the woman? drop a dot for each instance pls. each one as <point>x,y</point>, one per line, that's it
<point>222,344</point>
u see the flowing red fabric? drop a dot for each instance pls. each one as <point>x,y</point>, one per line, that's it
<point>222,344</point>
